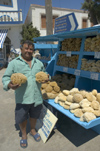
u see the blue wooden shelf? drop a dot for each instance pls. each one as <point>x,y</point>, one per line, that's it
<point>64,69</point>
<point>44,61</point>
<point>84,79</point>
<point>86,125</point>
<point>71,52</point>
<point>45,46</point>
<point>88,53</point>
<point>90,75</point>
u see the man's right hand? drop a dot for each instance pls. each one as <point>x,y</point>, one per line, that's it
<point>12,86</point>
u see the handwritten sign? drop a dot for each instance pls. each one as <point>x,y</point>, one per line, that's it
<point>46,123</point>
<point>65,69</point>
<point>97,55</point>
<point>94,76</point>
<point>77,72</point>
<point>68,53</point>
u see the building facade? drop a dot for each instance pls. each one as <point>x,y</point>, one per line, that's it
<point>10,28</point>
<point>37,16</point>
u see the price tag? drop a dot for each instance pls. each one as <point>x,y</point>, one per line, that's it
<point>97,55</point>
<point>68,53</point>
<point>65,69</point>
<point>77,72</point>
<point>94,76</point>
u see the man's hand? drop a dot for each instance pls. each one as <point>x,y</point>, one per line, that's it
<point>12,86</point>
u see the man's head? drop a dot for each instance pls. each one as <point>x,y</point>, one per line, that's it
<point>27,49</point>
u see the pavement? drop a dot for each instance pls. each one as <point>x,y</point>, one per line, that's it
<point>69,136</point>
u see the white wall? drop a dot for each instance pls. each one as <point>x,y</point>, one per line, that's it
<point>35,11</point>
<point>15,36</point>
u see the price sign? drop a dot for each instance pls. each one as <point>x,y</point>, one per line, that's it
<point>77,72</point>
<point>94,76</point>
<point>68,53</point>
<point>65,69</point>
<point>97,55</point>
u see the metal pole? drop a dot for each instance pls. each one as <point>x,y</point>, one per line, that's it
<point>49,24</point>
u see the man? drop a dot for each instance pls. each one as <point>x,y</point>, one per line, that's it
<point>28,96</point>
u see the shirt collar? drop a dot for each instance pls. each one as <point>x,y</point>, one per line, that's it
<point>20,58</point>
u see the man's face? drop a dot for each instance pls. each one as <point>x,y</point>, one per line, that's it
<point>27,52</point>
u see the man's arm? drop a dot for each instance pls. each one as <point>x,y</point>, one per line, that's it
<point>6,77</point>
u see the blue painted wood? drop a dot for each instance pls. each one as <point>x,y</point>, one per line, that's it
<point>86,125</point>
<point>85,80</point>
<point>45,46</point>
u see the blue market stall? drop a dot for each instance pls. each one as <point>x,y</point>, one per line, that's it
<point>86,77</point>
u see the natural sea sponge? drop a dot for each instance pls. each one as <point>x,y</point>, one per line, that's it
<point>94,92</point>
<point>51,95</point>
<point>98,97</point>
<point>61,103</point>
<point>48,88</point>
<point>53,84</point>
<point>66,92</point>
<point>78,112</point>
<point>90,97</point>
<point>70,98</point>
<point>73,91</point>
<point>95,105</point>
<point>66,106</point>
<point>56,99</point>
<point>88,109</point>
<point>41,77</point>
<point>88,116</point>
<point>85,103</point>
<point>54,92</point>
<point>97,113</point>
<point>68,103</point>
<point>43,91</point>
<point>62,98</point>
<point>18,78</point>
<point>74,106</point>
<point>61,94</point>
<point>57,88</point>
<point>77,98</point>
<point>44,85</point>
<point>83,93</point>
<point>72,111</point>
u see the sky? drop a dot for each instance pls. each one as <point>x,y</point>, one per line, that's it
<point>71,4</point>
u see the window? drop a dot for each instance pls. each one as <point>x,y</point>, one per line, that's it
<point>6,2</point>
<point>54,17</point>
<point>84,23</point>
<point>43,21</point>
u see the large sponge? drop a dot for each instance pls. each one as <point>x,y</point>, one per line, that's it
<point>18,78</point>
<point>41,77</point>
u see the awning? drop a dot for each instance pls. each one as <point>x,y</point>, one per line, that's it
<point>3,34</point>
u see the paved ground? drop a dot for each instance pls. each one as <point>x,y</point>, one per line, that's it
<point>68,137</point>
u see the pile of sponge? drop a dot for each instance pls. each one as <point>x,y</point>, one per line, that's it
<point>83,104</point>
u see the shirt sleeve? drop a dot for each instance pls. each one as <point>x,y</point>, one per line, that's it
<point>6,77</point>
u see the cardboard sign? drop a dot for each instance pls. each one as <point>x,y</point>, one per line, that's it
<point>97,55</point>
<point>77,72</point>
<point>46,123</point>
<point>94,76</point>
